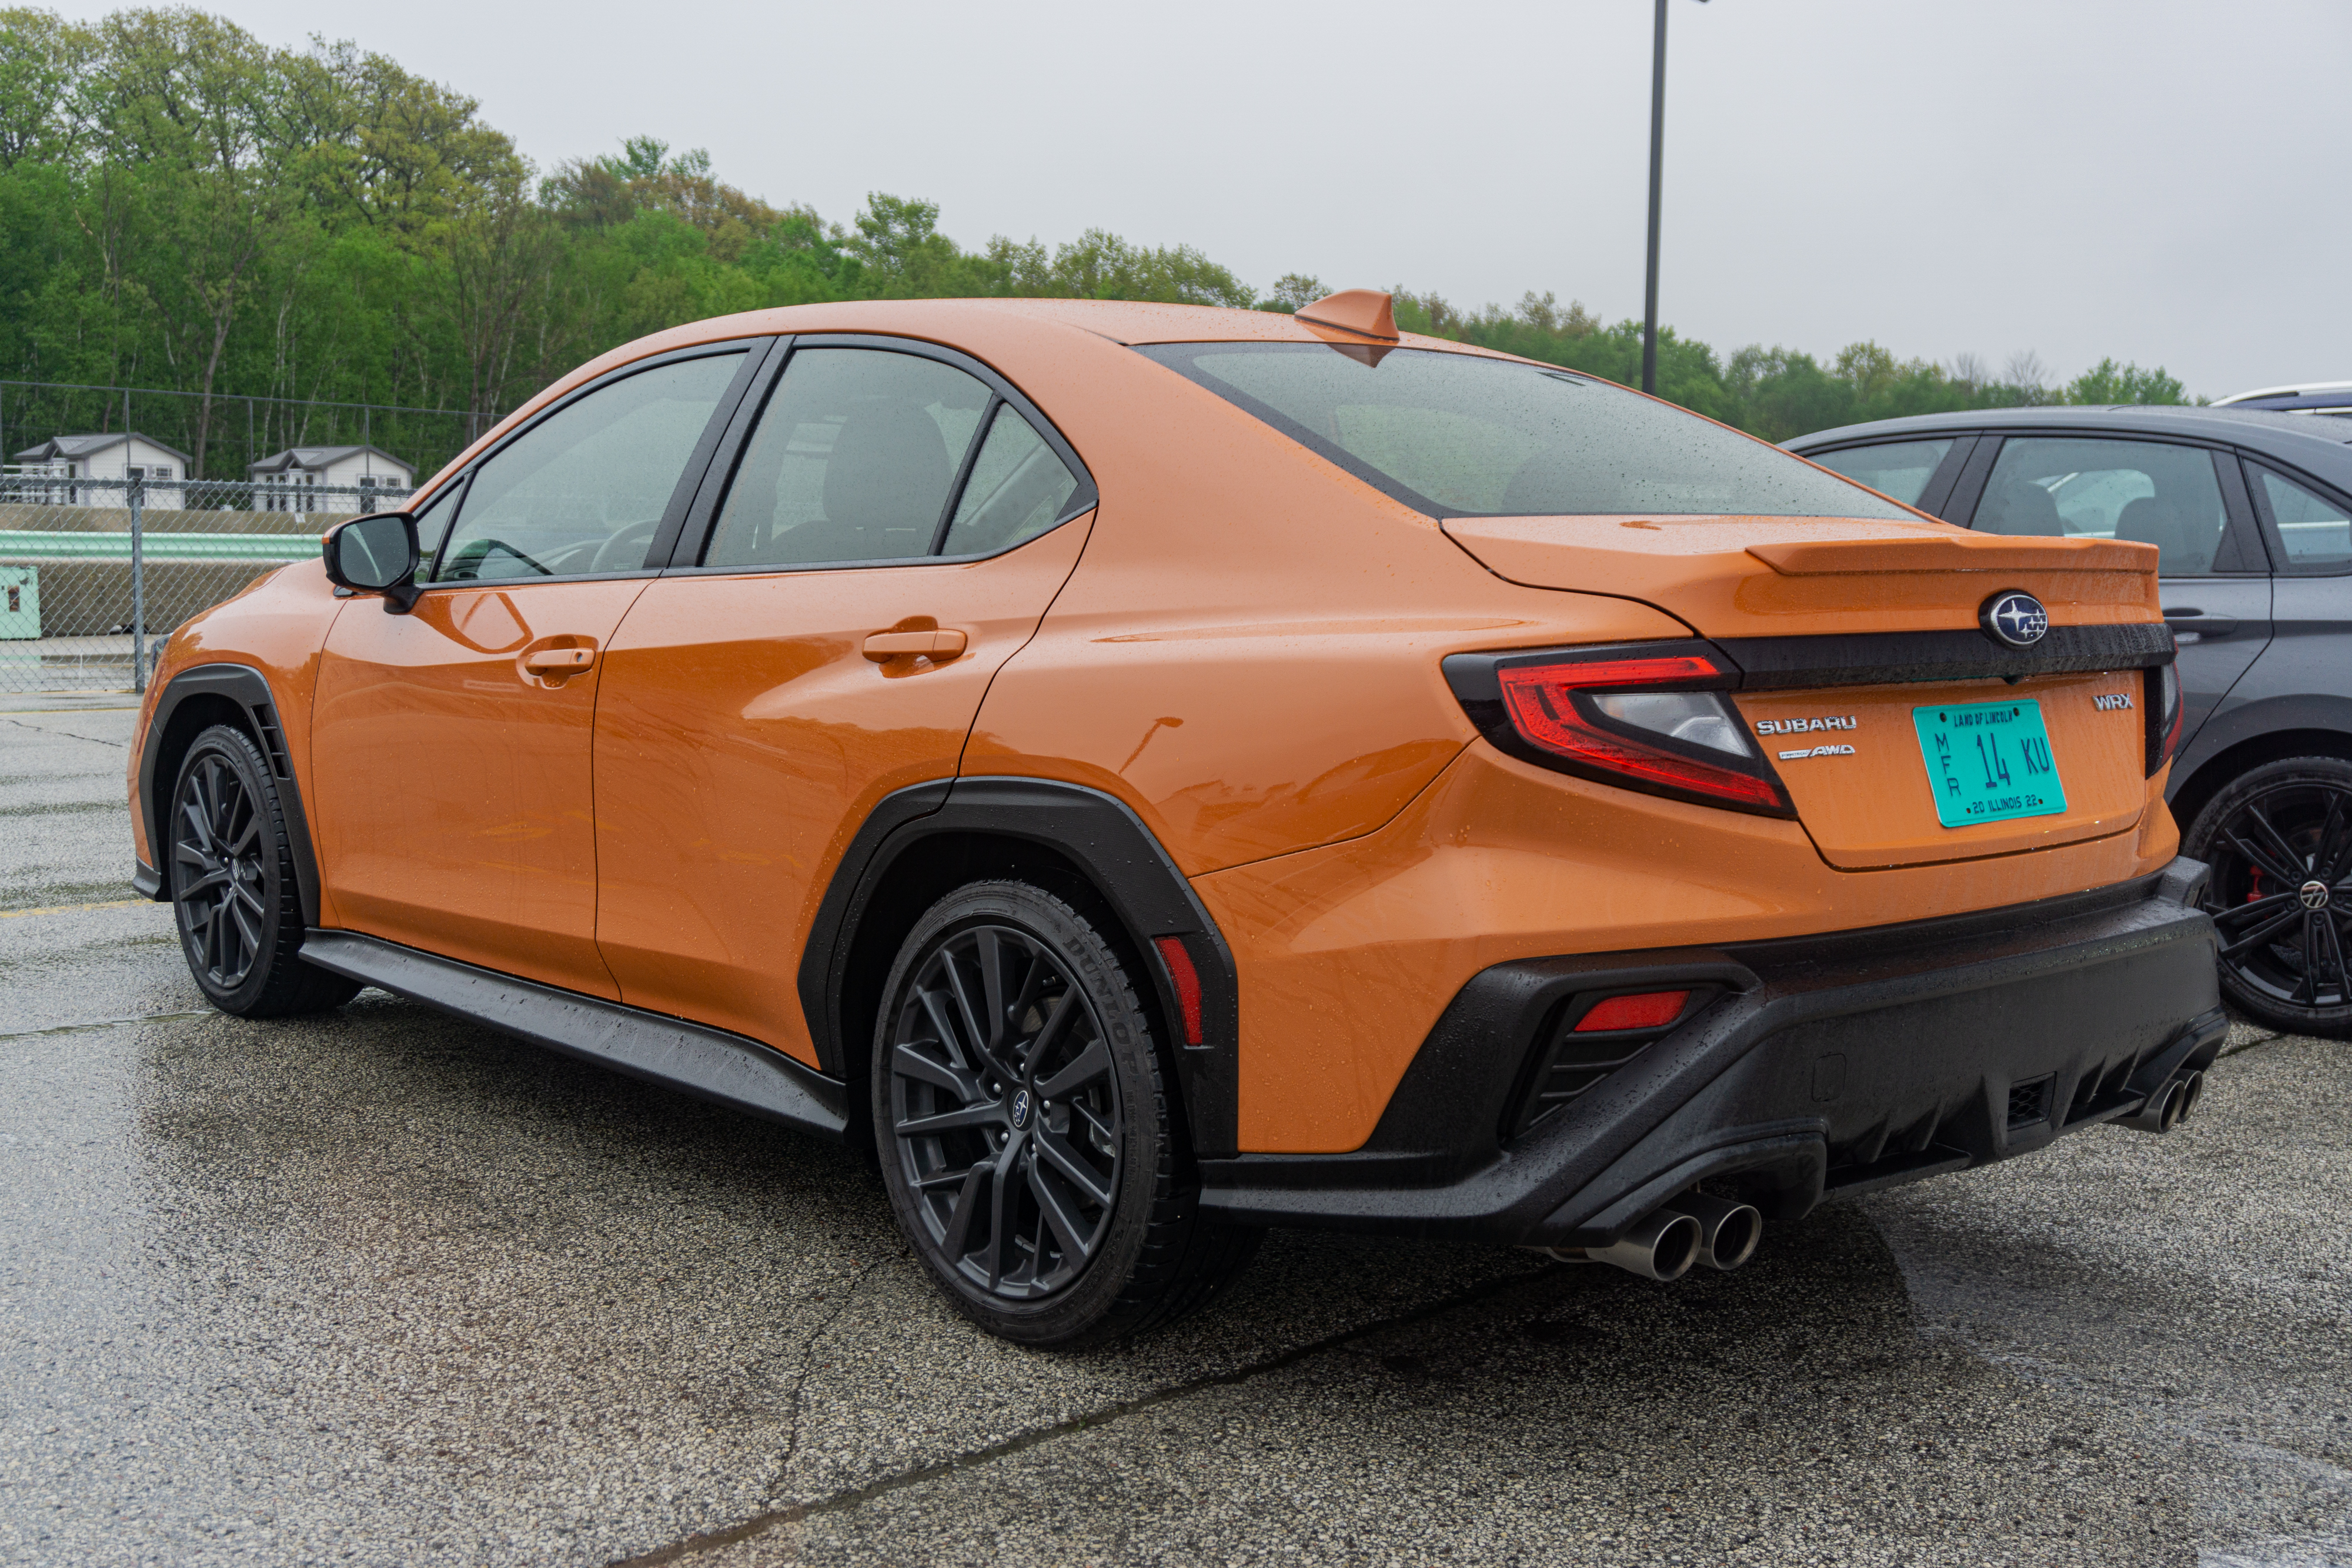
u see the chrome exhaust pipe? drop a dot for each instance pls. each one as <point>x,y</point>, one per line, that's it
<point>1728,1232</point>
<point>2164,1108</point>
<point>2192,1092</point>
<point>1662,1246</point>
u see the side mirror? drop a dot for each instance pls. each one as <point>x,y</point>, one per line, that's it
<point>375,553</point>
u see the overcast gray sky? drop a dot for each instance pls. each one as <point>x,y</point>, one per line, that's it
<point>2159,180</point>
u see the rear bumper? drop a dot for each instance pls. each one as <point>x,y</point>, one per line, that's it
<point>1814,1067</point>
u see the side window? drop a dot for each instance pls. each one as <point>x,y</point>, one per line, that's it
<point>2146,491</point>
<point>853,459</point>
<point>1896,468</point>
<point>583,491</point>
<point>2315,531</point>
<point>1017,490</point>
<point>434,521</point>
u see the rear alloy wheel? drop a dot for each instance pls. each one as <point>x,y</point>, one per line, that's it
<point>2279,841</point>
<point>1023,1123</point>
<point>230,867</point>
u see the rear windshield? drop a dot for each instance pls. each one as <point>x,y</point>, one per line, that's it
<point>1459,435</point>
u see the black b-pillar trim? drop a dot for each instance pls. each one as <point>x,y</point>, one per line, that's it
<point>249,689</point>
<point>1113,848</point>
<point>704,1061</point>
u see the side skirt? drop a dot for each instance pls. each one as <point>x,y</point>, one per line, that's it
<point>708,1062</point>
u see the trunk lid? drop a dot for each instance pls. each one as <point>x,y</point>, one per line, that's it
<point>1870,681</point>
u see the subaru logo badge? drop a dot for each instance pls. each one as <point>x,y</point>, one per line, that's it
<point>2014,620</point>
<point>1020,1109</point>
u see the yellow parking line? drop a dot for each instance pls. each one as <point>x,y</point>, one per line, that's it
<point>72,908</point>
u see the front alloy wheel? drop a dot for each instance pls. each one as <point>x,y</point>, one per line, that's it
<point>2279,841</point>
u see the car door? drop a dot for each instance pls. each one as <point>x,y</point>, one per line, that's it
<point>2309,527</point>
<point>2187,500</point>
<point>889,524</point>
<point>451,744</point>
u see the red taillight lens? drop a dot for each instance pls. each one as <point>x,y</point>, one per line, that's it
<point>2165,713</point>
<point>1649,717</point>
<point>1648,1010</point>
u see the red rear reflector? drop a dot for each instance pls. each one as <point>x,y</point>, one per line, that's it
<point>1187,981</point>
<point>1647,1011</point>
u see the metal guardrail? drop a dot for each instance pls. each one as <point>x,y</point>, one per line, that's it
<point>93,571</point>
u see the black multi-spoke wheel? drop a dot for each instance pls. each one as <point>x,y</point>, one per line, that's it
<point>1005,1110</point>
<point>2279,841</point>
<point>1023,1127</point>
<point>232,880</point>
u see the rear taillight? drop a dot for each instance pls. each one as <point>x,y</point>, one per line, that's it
<point>2164,715</point>
<point>1647,715</point>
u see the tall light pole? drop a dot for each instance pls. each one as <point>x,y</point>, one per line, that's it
<point>1657,175</point>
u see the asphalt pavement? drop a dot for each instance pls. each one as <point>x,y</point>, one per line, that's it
<point>382,1288</point>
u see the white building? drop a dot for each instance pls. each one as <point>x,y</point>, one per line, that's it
<point>126,456</point>
<point>281,478</point>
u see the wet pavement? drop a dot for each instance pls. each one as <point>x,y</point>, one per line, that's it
<point>382,1287</point>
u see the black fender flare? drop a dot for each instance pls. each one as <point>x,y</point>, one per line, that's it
<point>249,689</point>
<point>1109,845</point>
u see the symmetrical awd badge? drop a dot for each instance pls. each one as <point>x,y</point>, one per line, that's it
<point>1803,725</point>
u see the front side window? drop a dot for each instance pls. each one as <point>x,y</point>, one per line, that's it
<point>2315,531</point>
<point>584,490</point>
<point>852,460</point>
<point>1462,435</point>
<point>1896,468</point>
<point>2146,491</point>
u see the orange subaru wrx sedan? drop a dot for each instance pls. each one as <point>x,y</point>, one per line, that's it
<point>1146,774</point>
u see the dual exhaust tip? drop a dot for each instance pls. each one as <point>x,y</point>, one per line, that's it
<point>1692,1229</point>
<point>2170,1105</point>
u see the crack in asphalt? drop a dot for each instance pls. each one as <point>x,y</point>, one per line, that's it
<point>808,1360</point>
<point>858,1497</point>
<point>69,734</point>
<point>107,1023</point>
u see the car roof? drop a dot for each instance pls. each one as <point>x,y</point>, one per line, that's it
<point>2315,442</point>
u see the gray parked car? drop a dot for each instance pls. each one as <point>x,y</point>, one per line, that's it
<point>2253,513</point>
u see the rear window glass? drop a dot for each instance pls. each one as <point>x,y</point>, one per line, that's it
<point>1897,468</point>
<point>1461,435</point>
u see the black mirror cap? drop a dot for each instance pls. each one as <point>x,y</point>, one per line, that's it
<point>374,553</point>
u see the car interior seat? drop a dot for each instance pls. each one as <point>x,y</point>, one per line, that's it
<point>2188,547</point>
<point>2021,507</point>
<point>885,482</point>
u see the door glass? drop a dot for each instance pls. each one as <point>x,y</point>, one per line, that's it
<point>583,491</point>
<point>1896,468</point>
<point>2141,490</point>
<point>2316,532</point>
<point>852,460</point>
<point>1017,490</point>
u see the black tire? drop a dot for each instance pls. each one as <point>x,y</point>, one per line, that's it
<point>1060,1225</point>
<point>230,866</point>
<point>2279,839</point>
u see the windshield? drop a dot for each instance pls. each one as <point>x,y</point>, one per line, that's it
<point>1461,435</point>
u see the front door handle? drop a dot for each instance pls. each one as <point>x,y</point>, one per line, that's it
<point>2198,623</point>
<point>555,663</point>
<point>939,646</point>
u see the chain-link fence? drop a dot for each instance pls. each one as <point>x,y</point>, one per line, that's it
<point>94,573</point>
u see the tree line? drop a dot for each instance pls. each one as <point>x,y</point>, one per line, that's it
<point>185,207</point>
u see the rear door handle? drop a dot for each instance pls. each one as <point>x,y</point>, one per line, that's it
<point>558,663</point>
<point>940,645</point>
<point>2200,623</point>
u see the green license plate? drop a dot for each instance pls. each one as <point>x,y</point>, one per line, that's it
<point>1989,761</point>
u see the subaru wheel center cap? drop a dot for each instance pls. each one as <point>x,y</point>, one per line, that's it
<point>2014,620</point>
<point>1020,1109</point>
<point>2315,894</point>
